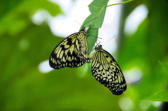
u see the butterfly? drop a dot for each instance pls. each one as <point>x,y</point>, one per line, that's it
<point>106,70</point>
<point>71,52</point>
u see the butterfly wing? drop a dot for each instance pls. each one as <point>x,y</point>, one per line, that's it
<point>84,51</point>
<point>68,52</point>
<point>106,70</point>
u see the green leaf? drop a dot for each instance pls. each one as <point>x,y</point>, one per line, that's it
<point>92,37</point>
<point>95,20</point>
<point>159,96</point>
<point>97,9</point>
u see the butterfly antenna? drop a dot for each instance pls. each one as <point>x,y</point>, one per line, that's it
<point>98,41</point>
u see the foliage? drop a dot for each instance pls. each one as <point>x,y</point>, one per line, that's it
<point>95,20</point>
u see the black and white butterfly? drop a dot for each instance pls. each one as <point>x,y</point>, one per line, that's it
<point>106,70</point>
<point>71,52</point>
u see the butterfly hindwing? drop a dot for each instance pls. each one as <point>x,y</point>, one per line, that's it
<point>70,52</point>
<point>106,70</point>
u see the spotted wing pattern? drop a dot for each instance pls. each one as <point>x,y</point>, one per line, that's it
<point>106,70</point>
<point>71,52</point>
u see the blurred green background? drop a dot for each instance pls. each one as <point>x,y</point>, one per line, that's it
<point>24,46</point>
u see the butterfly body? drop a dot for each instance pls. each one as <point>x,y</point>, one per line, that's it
<point>106,70</point>
<point>71,52</point>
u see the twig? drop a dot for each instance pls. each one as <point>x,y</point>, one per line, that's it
<point>120,3</point>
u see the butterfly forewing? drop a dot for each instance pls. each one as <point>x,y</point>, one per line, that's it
<point>83,47</point>
<point>106,70</point>
<point>70,52</point>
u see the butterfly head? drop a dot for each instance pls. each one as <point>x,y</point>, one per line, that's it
<point>98,47</point>
<point>83,32</point>
<point>85,29</point>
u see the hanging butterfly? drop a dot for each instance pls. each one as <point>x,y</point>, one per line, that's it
<point>106,70</point>
<point>71,52</point>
